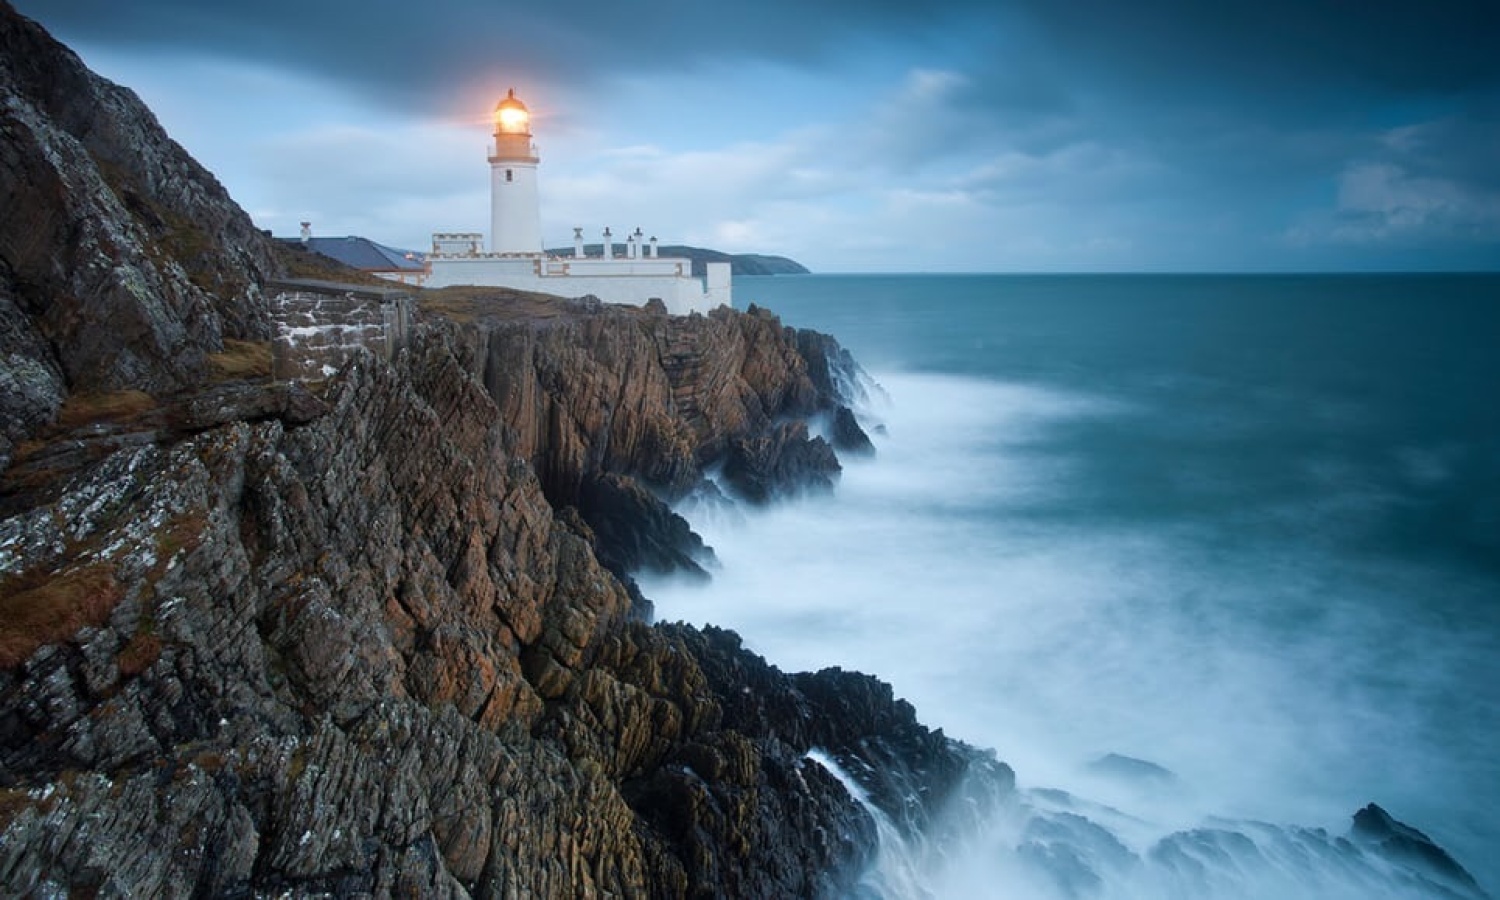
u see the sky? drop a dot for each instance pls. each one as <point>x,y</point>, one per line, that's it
<point>853,135</point>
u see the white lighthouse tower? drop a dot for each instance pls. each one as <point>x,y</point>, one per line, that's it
<point>515,211</point>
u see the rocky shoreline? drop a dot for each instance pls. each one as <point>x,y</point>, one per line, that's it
<point>379,634</point>
<point>365,643</point>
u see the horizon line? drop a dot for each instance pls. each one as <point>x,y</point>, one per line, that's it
<point>1270,273</point>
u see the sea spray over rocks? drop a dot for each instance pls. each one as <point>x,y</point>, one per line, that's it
<point>1004,629</point>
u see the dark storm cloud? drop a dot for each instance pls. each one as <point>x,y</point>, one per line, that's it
<point>407,51</point>
<point>1281,56</point>
<point>1375,46</point>
<point>1254,108</point>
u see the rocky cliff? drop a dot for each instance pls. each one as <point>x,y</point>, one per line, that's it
<point>366,653</point>
<point>378,636</point>
<point>123,263</point>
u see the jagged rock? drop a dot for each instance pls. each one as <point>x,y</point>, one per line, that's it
<point>1130,769</point>
<point>832,368</point>
<point>782,463</point>
<point>634,530</point>
<point>32,388</point>
<point>651,396</point>
<point>907,769</point>
<point>1403,844</point>
<point>593,390</point>
<point>367,651</point>
<point>847,435</point>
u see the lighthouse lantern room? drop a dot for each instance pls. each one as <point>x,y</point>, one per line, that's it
<point>515,209</point>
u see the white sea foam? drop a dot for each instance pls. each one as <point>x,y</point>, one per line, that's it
<point>1274,685</point>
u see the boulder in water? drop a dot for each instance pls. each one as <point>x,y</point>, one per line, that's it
<point>1129,768</point>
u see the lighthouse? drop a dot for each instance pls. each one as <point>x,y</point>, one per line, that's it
<point>516,260</point>
<point>515,211</point>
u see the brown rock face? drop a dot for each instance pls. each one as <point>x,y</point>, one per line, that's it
<point>654,396</point>
<point>620,409</point>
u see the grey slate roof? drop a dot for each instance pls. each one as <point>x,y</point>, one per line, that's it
<point>363,253</point>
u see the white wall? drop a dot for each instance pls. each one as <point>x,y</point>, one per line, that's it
<point>719,290</point>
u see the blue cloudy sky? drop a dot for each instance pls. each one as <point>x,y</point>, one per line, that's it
<point>947,135</point>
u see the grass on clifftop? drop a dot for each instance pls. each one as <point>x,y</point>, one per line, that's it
<point>464,303</point>
<point>111,406</point>
<point>241,360</point>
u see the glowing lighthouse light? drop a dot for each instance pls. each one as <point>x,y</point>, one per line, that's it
<point>511,116</point>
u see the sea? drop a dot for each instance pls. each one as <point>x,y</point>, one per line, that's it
<point>1207,560</point>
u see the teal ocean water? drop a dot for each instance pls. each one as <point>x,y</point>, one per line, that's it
<point>1244,528</point>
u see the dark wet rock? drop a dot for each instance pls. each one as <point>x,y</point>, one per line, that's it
<point>833,369</point>
<point>32,387</point>
<point>1401,843</point>
<point>909,771</point>
<point>782,463</point>
<point>1078,855</point>
<point>658,398</point>
<point>635,531</point>
<point>663,399</point>
<point>1131,769</point>
<point>361,652</point>
<point>1199,856</point>
<point>351,644</point>
<point>846,434</point>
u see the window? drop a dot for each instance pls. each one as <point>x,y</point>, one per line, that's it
<point>509,175</point>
